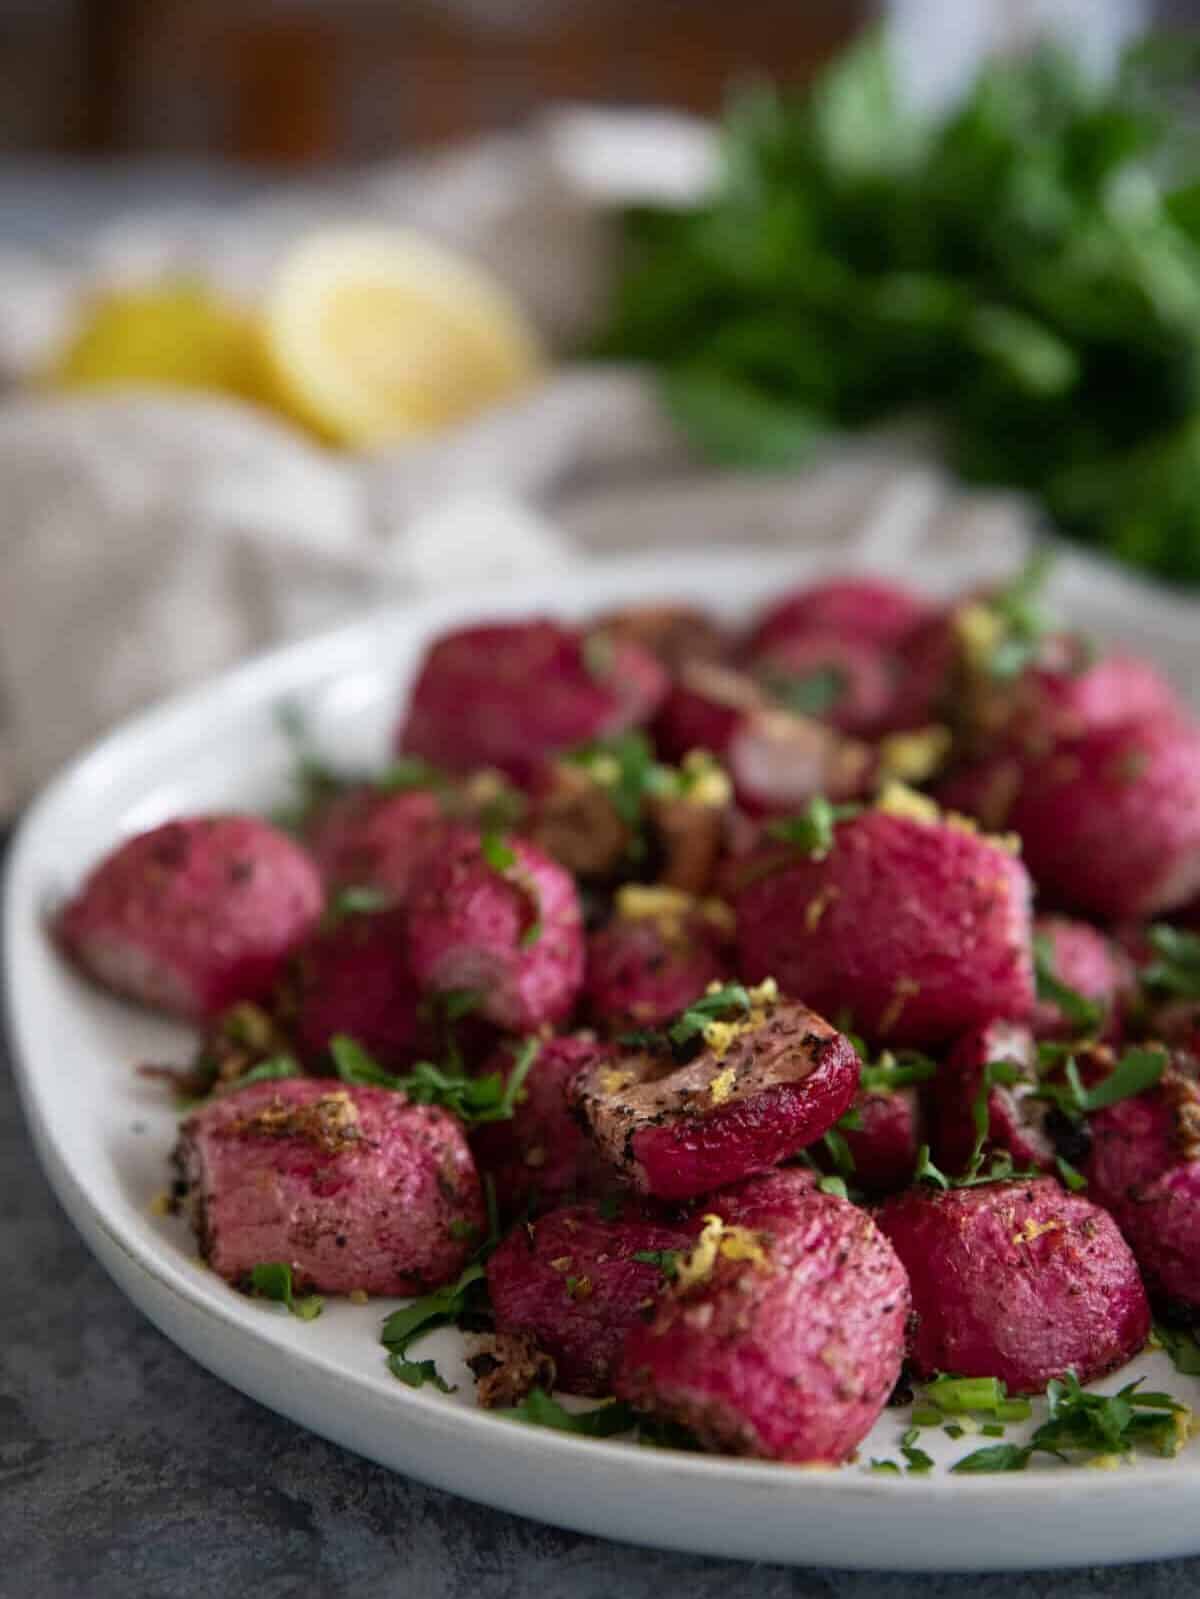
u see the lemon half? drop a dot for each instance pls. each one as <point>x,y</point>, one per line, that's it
<point>177,334</point>
<point>370,335</point>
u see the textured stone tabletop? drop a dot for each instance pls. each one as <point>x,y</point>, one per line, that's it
<point>127,1472</point>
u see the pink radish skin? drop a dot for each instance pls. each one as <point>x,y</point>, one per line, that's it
<point>509,694</point>
<point>1110,822</point>
<point>368,1192</point>
<point>1014,1120</point>
<point>862,609</point>
<point>638,976</point>
<point>542,1157</point>
<point>194,916</point>
<point>571,1282</point>
<point>1017,1280</point>
<point>789,1355</point>
<point>917,930</point>
<point>514,935</point>
<point>1086,960</point>
<point>368,839</point>
<point>355,978</point>
<point>1144,1167</point>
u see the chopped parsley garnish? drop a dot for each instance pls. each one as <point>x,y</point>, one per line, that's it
<point>498,855</point>
<point>313,781</point>
<point>833,1185</point>
<point>452,1303</point>
<point>409,772</point>
<point>685,1033</point>
<point>625,767</point>
<point>1072,1179</point>
<point>963,1395</point>
<point>490,1098</point>
<point>362,900</point>
<point>994,1457</point>
<point>1137,1070</point>
<point>811,832</point>
<point>455,1003</point>
<point>1175,968</point>
<point>927,1172</point>
<point>655,1433</point>
<point>1085,1015</point>
<point>539,1409</point>
<point>1024,618</point>
<point>273,1280</point>
<point>416,1373</point>
<point>713,1007</point>
<point>926,1415</point>
<point>1000,1168</point>
<point>354,1064</point>
<point>1091,1425</point>
<point>1181,1346</point>
<point>271,1070</point>
<point>895,1070</point>
<point>667,1260</point>
<point>918,1461</point>
<point>883,1468</point>
<point>812,693</point>
<point>839,1151</point>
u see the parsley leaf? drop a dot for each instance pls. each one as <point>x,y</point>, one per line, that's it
<point>625,767</point>
<point>416,1373</point>
<point>811,832</point>
<point>1072,1179</point>
<point>498,855</point>
<point>450,1303</point>
<point>1176,966</point>
<point>896,1070</point>
<point>918,1461</point>
<point>833,1185</point>
<point>667,1260</point>
<point>271,1070</point>
<point>1137,1070</point>
<point>1090,1424</point>
<point>354,1064</point>
<point>313,782</point>
<point>1182,1347</point>
<point>1025,620</point>
<point>273,1280</point>
<point>995,1457</point>
<point>839,1152</point>
<point>362,900</point>
<point>409,772</point>
<point>691,1023</point>
<point>812,693</point>
<point>1085,1015</point>
<point>490,1098</point>
<point>538,1409</point>
<point>927,1172</point>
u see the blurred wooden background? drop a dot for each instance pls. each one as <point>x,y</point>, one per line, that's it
<point>303,82</point>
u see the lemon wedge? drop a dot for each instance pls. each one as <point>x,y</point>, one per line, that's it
<point>174,334</point>
<point>371,335</point>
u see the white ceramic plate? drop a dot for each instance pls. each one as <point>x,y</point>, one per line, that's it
<point>103,1135</point>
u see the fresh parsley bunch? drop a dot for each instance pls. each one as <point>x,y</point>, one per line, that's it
<point>1025,271</point>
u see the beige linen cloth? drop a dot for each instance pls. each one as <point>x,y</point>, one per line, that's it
<point>146,539</point>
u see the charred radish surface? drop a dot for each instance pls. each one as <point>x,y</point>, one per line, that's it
<point>747,1083</point>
